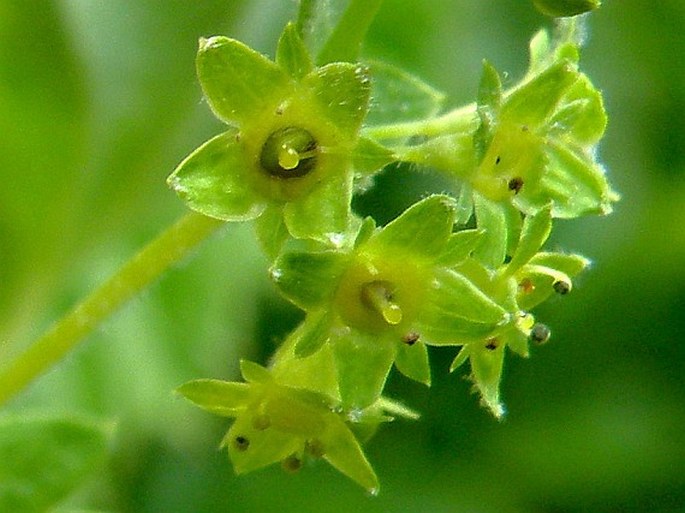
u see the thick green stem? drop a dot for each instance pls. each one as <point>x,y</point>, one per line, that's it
<point>167,249</point>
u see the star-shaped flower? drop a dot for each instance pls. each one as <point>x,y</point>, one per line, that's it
<point>287,155</point>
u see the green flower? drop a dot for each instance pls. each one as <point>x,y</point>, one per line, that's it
<point>381,302</point>
<point>287,155</point>
<point>276,423</point>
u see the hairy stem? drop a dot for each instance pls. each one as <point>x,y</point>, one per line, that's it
<point>167,249</point>
<point>457,120</point>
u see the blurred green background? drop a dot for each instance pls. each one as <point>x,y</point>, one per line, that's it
<point>99,102</point>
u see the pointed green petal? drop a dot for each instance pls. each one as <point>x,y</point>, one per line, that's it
<point>342,451</point>
<point>239,83</point>
<point>422,229</point>
<point>489,103</point>
<point>324,214</point>
<point>254,373</point>
<point>400,97</point>
<point>486,370</point>
<point>342,91</point>
<point>491,218</point>
<point>222,398</point>
<point>533,103</point>
<point>308,279</point>
<point>575,183</point>
<point>412,361</point>
<point>292,54</point>
<point>212,181</point>
<point>314,334</point>
<point>362,362</point>
<point>581,118</point>
<point>453,293</point>
<point>539,284</point>
<point>461,358</point>
<point>536,229</point>
<point>568,263</point>
<point>460,246</point>
<point>271,230</point>
<point>367,229</point>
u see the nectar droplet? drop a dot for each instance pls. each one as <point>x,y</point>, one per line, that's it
<point>378,296</point>
<point>289,153</point>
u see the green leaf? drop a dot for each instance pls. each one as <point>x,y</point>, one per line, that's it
<point>212,181</point>
<point>342,451</point>
<point>399,97</point>
<point>486,372</point>
<point>314,333</point>
<point>370,157</point>
<point>412,361</point>
<point>536,230</point>
<point>239,83</point>
<point>492,220</point>
<point>254,373</point>
<point>533,103</point>
<point>323,214</point>
<point>308,279</point>
<point>423,229</point>
<point>565,8</point>
<point>362,363</point>
<point>292,54</point>
<point>344,42</point>
<point>271,230</point>
<point>460,246</point>
<point>342,91</point>
<point>43,459</point>
<point>223,398</point>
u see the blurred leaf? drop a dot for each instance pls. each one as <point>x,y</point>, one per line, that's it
<point>400,97</point>
<point>42,460</point>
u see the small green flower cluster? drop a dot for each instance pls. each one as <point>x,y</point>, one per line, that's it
<point>461,271</point>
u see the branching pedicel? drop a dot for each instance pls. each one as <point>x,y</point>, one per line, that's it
<point>460,271</point>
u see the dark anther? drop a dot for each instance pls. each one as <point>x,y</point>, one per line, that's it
<point>241,443</point>
<point>526,286</point>
<point>292,463</point>
<point>515,184</point>
<point>289,153</point>
<point>540,333</point>
<point>491,344</point>
<point>315,448</point>
<point>410,338</point>
<point>561,287</point>
<point>261,422</point>
<point>498,160</point>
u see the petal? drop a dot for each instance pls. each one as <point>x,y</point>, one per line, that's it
<point>239,83</point>
<point>222,398</point>
<point>422,229</point>
<point>308,279</point>
<point>324,214</point>
<point>536,229</point>
<point>412,361</point>
<point>342,451</point>
<point>362,363</point>
<point>342,91</point>
<point>292,54</point>
<point>211,180</point>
